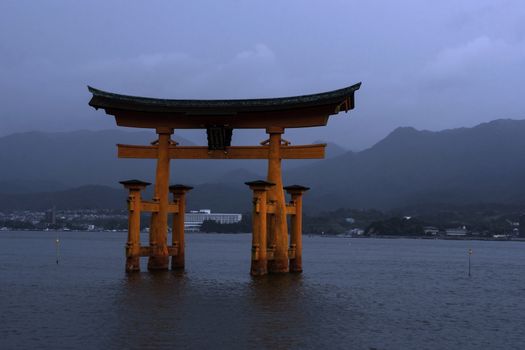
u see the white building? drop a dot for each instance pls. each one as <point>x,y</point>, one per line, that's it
<point>431,230</point>
<point>194,219</point>
<point>457,232</point>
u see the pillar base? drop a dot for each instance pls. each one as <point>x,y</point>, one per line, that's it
<point>158,263</point>
<point>177,262</point>
<point>278,266</point>
<point>259,267</point>
<point>133,264</point>
<point>296,265</point>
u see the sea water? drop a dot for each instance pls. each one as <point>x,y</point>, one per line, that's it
<point>354,294</point>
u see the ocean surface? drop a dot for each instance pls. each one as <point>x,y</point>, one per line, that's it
<point>353,294</point>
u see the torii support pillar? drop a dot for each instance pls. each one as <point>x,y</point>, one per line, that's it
<point>259,227</point>
<point>159,258</point>
<point>134,208</point>
<point>277,226</point>
<point>177,235</point>
<point>296,230</point>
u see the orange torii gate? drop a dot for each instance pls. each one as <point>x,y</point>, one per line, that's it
<point>271,251</point>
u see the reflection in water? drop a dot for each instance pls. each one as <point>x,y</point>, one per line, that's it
<point>148,310</point>
<point>274,311</point>
<point>165,308</point>
<point>279,309</point>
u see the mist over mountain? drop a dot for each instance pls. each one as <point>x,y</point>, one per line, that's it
<point>38,161</point>
<point>83,197</point>
<point>69,159</point>
<point>483,164</point>
<point>467,165</point>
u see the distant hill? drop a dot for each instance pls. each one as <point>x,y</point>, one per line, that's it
<point>38,161</point>
<point>69,159</point>
<point>84,197</point>
<point>409,168</point>
<point>217,197</point>
<point>467,165</point>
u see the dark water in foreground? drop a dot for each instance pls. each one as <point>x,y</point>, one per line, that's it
<point>354,294</point>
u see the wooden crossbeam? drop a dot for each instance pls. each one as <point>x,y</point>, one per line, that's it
<point>234,152</point>
<point>270,208</point>
<point>173,250</point>
<point>291,252</point>
<point>149,206</point>
<point>290,209</point>
<point>153,207</point>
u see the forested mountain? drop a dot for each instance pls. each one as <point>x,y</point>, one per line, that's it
<point>483,164</point>
<point>38,161</point>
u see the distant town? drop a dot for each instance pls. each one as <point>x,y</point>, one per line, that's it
<point>99,220</point>
<point>348,223</point>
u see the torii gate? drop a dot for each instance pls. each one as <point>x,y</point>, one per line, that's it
<point>270,249</point>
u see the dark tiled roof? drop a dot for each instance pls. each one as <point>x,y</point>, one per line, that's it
<point>134,182</point>
<point>296,188</point>
<point>103,99</point>
<point>180,187</point>
<point>259,183</point>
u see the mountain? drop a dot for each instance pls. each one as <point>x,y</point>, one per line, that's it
<point>19,186</point>
<point>238,177</point>
<point>84,197</point>
<point>332,149</point>
<point>217,197</point>
<point>481,164</point>
<point>38,161</point>
<point>69,159</point>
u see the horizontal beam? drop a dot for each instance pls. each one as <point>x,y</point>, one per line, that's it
<point>290,209</point>
<point>147,206</point>
<point>270,254</point>
<point>291,253</point>
<point>153,207</point>
<point>233,152</point>
<point>173,250</point>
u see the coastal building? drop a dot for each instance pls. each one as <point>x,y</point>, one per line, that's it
<point>194,219</point>
<point>431,230</point>
<point>456,232</point>
<point>356,232</point>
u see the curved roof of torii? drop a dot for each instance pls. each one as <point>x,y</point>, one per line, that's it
<point>286,112</point>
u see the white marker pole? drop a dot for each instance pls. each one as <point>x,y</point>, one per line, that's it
<point>469,254</point>
<point>57,242</point>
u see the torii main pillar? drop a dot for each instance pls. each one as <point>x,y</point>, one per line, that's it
<point>277,228</point>
<point>159,258</point>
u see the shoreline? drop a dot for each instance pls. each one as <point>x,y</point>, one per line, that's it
<point>444,238</point>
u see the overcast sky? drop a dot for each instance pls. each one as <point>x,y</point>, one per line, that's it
<point>427,64</point>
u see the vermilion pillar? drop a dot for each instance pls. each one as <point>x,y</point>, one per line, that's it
<point>177,236</point>
<point>278,231</point>
<point>296,232</point>
<point>134,208</point>
<point>259,265</point>
<point>159,258</point>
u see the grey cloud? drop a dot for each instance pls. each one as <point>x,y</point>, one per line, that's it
<point>473,60</point>
<point>430,65</point>
<point>185,76</point>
